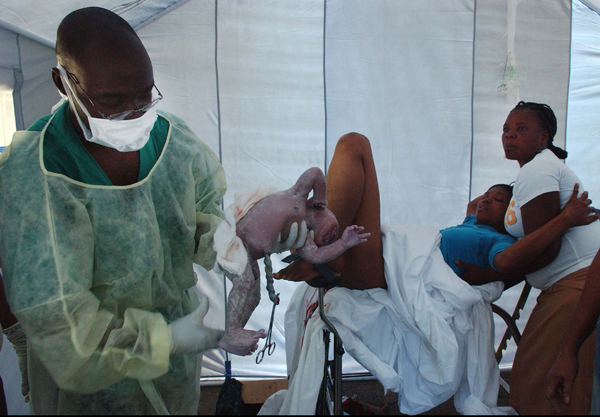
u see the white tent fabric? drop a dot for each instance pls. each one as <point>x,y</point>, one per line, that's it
<point>271,85</point>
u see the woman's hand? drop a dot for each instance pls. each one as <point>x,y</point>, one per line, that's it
<point>560,381</point>
<point>578,211</point>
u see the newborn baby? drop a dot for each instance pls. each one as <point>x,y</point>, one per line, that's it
<point>254,226</point>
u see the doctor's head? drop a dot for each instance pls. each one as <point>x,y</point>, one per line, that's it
<point>103,63</point>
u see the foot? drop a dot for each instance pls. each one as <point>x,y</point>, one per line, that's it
<point>299,270</point>
<point>241,342</point>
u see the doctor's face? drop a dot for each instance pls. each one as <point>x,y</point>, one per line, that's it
<point>111,83</point>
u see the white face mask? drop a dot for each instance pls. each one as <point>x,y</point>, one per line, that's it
<point>122,135</point>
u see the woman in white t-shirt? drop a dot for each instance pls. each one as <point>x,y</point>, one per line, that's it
<point>543,186</point>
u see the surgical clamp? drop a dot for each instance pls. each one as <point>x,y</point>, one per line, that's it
<point>269,346</point>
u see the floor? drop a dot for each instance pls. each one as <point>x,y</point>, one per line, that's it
<point>364,393</point>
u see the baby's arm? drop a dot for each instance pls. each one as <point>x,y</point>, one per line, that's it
<point>320,255</point>
<point>312,179</point>
<point>243,299</point>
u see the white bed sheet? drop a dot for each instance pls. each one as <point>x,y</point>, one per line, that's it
<point>428,337</point>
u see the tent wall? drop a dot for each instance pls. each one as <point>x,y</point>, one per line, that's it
<point>9,58</point>
<point>519,31</point>
<point>270,86</point>
<point>37,91</point>
<point>401,74</point>
<point>583,124</point>
<point>24,68</point>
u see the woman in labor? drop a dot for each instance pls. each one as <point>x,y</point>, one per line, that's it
<point>353,196</point>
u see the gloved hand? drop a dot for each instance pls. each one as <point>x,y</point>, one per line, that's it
<point>16,336</point>
<point>293,241</point>
<point>189,335</point>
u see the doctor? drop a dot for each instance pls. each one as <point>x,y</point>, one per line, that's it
<point>104,205</point>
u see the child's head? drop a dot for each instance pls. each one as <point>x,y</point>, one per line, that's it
<point>323,222</point>
<point>492,207</point>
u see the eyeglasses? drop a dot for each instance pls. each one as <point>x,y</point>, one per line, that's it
<point>124,115</point>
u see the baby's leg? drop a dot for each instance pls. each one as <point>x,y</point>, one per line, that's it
<point>243,299</point>
<point>353,196</point>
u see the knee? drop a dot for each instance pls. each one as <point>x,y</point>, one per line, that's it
<point>354,143</point>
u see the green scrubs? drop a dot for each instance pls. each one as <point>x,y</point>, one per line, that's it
<point>65,154</point>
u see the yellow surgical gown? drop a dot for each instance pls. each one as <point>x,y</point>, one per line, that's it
<point>95,273</point>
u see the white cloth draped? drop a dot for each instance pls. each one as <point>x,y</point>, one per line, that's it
<point>429,336</point>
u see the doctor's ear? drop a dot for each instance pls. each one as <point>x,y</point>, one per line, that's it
<point>58,81</point>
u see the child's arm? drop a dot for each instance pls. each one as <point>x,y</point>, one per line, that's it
<point>320,255</point>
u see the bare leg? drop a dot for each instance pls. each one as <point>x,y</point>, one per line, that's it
<point>353,196</point>
<point>243,299</point>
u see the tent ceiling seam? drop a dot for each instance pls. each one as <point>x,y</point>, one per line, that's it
<point>158,15</point>
<point>569,76</point>
<point>28,34</point>
<point>472,98</point>
<point>325,81</point>
<point>17,103</point>
<point>216,3</point>
<point>589,5</point>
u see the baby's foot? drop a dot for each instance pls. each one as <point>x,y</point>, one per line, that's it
<point>241,342</point>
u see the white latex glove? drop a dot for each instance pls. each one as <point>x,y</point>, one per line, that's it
<point>189,335</point>
<point>294,240</point>
<point>16,336</point>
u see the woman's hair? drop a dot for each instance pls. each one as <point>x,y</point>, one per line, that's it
<point>547,121</point>
<point>507,187</point>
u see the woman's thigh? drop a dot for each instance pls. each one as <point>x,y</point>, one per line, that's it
<point>353,196</point>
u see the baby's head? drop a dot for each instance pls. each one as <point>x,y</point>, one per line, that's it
<point>492,207</point>
<point>323,222</point>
